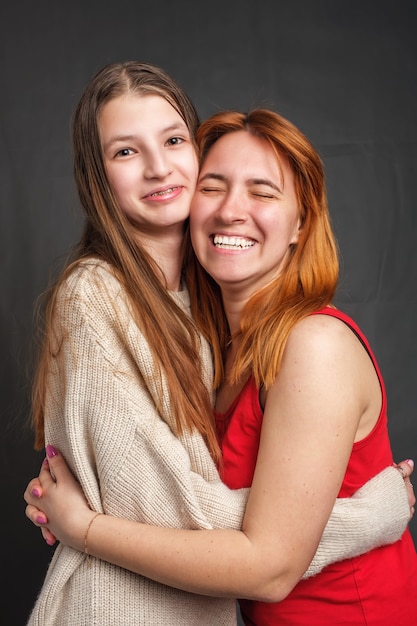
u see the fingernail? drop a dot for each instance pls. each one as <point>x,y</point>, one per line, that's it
<point>51,452</point>
<point>410,462</point>
<point>49,542</point>
<point>36,492</point>
<point>40,519</point>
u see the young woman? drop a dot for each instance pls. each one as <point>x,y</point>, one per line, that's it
<point>121,349</point>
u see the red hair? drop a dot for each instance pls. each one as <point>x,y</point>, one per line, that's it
<point>309,280</point>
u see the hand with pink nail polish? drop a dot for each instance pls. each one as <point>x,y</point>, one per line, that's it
<point>33,513</point>
<point>56,503</point>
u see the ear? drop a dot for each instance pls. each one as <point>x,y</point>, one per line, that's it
<point>296,234</point>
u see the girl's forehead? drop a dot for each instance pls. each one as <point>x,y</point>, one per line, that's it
<point>137,100</point>
<point>138,114</point>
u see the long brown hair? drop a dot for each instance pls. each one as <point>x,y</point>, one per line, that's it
<point>310,278</point>
<point>107,235</point>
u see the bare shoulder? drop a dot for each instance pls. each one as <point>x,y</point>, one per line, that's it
<point>321,326</point>
<point>322,333</point>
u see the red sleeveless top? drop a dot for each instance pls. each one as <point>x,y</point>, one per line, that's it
<point>378,588</point>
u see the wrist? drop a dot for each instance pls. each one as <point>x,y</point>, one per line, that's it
<point>87,531</point>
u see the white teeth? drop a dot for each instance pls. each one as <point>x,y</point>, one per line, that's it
<point>232,243</point>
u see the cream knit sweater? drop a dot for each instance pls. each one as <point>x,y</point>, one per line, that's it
<point>102,417</point>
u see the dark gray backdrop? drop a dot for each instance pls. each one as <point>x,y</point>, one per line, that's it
<point>344,72</point>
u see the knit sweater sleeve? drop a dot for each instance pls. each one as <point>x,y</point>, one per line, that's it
<point>376,515</point>
<point>103,417</point>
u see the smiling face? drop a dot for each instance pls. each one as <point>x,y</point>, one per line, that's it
<point>244,214</point>
<point>150,161</point>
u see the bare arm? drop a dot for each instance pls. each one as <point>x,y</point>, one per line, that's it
<point>376,515</point>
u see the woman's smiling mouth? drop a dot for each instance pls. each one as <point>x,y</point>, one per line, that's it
<point>232,243</point>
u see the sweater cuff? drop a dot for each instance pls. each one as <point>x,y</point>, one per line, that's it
<point>376,515</point>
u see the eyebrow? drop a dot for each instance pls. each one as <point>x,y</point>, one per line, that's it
<point>249,181</point>
<point>118,139</point>
<point>129,138</point>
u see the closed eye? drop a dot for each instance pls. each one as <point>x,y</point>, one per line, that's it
<point>210,189</point>
<point>259,194</point>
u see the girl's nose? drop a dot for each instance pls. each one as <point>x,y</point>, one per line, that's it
<point>157,165</point>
